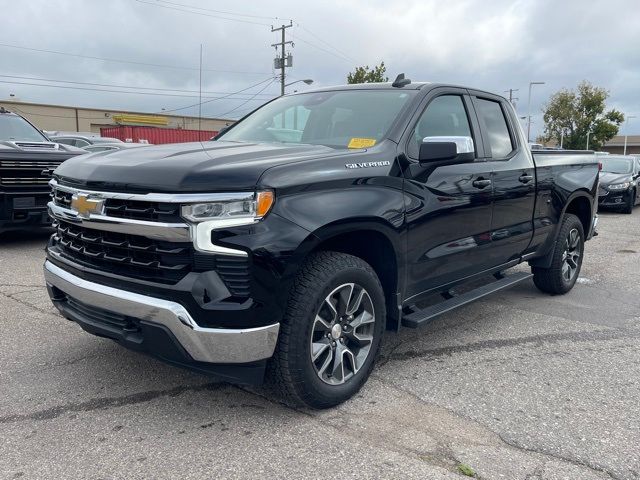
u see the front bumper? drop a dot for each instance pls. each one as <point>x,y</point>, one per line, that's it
<point>616,198</point>
<point>125,316</point>
<point>23,210</point>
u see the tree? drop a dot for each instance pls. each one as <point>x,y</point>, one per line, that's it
<point>367,75</point>
<point>577,113</point>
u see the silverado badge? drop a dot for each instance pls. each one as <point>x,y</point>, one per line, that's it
<point>85,206</point>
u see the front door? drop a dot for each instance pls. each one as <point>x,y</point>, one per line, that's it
<point>448,208</point>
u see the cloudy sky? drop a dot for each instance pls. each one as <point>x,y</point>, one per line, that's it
<point>152,48</point>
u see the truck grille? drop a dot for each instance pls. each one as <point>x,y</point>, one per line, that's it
<point>146,259</point>
<point>25,174</point>
<point>19,181</point>
<point>136,256</point>
<point>137,210</point>
<point>129,255</point>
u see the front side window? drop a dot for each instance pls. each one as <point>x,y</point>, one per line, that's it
<point>444,116</point>
<point>495,124</point>
<point>340,119</point>
<point>16,129</point>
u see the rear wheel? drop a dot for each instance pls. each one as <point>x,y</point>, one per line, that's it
<point>331,333</point>
<point>566,261</point>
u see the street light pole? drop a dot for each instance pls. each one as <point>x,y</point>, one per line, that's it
<point>531,84</point>
<point>589,132</point>
<point>626,121</point>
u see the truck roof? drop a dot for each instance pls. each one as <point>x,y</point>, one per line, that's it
<point>389,86</point>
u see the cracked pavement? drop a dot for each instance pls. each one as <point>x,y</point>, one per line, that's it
<point>519,385</point>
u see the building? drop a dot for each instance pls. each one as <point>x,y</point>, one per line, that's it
<point>616,145</point>
<point>80,119</point>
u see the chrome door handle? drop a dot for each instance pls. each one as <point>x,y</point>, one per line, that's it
<point>524,178</point>
<point>481,183</point>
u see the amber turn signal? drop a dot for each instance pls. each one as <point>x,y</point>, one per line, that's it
<point>264,201</point>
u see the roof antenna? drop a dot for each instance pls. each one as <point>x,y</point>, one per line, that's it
<point>400,81</point>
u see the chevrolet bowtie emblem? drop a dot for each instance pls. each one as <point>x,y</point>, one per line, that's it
<point>85,206</point>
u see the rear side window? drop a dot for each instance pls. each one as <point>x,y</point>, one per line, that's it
<point>444,116</point>
<point>495,124</point>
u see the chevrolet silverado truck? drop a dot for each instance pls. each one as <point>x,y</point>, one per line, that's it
<point>26,159</point>
<point>284,249</point>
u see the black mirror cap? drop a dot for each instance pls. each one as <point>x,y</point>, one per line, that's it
<point>447,152</point>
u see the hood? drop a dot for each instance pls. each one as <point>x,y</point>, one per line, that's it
<point>607,178</point>
<point>185,167</point>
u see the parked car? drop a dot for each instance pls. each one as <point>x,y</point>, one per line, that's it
<point>26,159</point>
<point>106,147</point>
<point>82,141</point>
<point>290,243</point>
<point>619,182</point>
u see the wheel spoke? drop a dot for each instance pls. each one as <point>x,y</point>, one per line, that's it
<point>342,334</point>
<point>356,303</point>
<point>319,347</point>
<point>575,239</point>
<point>343,298</point>
<point>337,372</point>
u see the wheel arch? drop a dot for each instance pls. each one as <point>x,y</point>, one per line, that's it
<point>371,240</point>
<point>580,204</point>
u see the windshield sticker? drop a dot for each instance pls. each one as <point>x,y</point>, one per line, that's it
<point>361,142</point>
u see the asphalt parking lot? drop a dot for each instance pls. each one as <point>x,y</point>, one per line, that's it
<point>517,386</point>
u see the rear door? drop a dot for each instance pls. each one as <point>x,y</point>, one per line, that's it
<point>448,207</point>
<point>513,178</point>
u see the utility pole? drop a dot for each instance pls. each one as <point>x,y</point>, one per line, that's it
<point>282,61</point>
<point>531,84</point>
<point>200,94</point>
<point>512,99</point>
<point>626,121</point>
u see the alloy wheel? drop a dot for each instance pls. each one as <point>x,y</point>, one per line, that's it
<point>342,334</point>
<point>571,255</point>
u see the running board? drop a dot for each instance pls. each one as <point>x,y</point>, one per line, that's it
<point>420,317</point>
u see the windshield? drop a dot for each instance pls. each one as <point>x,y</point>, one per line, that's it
<point>16,129</point>
<point>617,165</point>
<point>341,119</point>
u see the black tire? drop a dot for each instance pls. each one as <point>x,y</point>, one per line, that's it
<point>628,206</point>
<point>292,371</point>
<point>554,279</point>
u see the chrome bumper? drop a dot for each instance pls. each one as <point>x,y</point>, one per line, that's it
<point>212,345</point>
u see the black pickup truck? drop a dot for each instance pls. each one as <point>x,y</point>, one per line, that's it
<point>27,158</point>
<point>286,246</point>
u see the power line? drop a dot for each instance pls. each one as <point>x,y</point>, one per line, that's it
<point>247,101</point>
<point>299,39</point>
<point>317,37</point>
<point>218,98</point>
<point>217,11</point>
<point>160,5</point>
<point>129,92</point>
<point>130,62</point>
<point>111,85</point>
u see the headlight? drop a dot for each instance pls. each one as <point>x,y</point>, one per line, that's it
<point>239,207</point>
<point>619,186</point>
<point>226,211</point>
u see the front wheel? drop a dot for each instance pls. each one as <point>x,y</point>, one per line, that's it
<point>566,261</point>
<point>331,333</point>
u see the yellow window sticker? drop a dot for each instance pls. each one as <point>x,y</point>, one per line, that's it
<point>361,142</point>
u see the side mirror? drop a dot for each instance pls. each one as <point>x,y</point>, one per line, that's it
<point>449,150</point>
